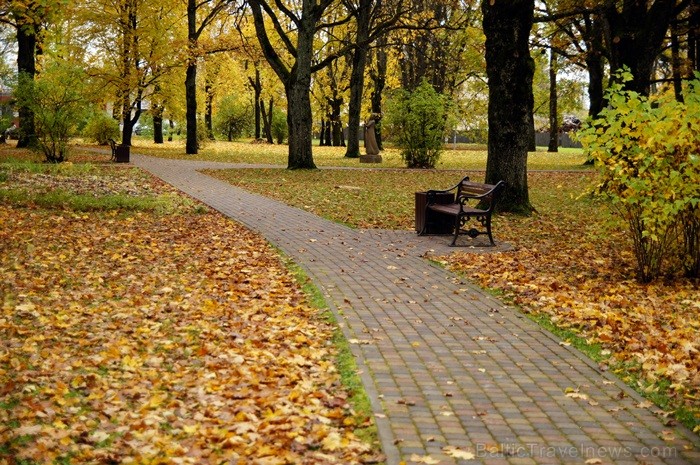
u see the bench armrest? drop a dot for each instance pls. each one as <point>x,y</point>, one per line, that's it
<point>492,196</point>
<point>432,192</point>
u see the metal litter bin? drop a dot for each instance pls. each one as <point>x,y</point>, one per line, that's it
<point>121,154</point>
<point>434,222</point>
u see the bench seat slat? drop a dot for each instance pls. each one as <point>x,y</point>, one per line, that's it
<point>453,209</point>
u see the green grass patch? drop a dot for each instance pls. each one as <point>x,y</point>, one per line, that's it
<point>385,198</point>
<point>57,169</point>
<point>457,157</point>
<point>60,199</point>
<point>593,351</point>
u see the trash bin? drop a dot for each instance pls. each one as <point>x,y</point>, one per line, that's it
<point>121,154</point>
<point>434,222</point>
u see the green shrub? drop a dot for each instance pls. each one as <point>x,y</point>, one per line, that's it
<point>647,151</point>
<point>234,118</point>
<point>57,100</point>
<point>279,126</point>
<point>101,128</point>
<point>417,121</point>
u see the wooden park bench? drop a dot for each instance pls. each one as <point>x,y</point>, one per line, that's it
<point>483,198</point>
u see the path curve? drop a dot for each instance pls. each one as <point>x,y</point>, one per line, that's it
<point>445,364</point>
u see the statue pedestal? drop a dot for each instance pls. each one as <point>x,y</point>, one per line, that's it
<point>370,158</point>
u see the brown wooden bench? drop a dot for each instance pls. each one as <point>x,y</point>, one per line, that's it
<point>483,198</point>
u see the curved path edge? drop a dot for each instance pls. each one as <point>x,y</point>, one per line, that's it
<point>452,373</point>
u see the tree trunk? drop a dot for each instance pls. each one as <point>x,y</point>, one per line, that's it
<point>357,78</point>
<point>694,37</point>
<point>296,79</point>
<point>257,89</point>
<point>191,145</point>
<point>357,85</point>
<point>322,134</point>
<point>267,120</point>
<point>26,65</point>
<point>158,125</point>
<point>596,92</point>
<point>510,71</point>
<point>676,65</point>
<point>300,123</point>
<point>553,110</point>
<point>328,140</point>
<point>378,77</point>
<point>634,38</point>
<point>336,125</point>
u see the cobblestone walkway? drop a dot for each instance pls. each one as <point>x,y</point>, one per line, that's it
<point>445,364</point>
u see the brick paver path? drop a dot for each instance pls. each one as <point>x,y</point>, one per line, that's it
<point>445,364</point>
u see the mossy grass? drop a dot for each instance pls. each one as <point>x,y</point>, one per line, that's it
<point>60,199</point>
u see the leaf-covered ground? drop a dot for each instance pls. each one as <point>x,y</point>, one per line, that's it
<point>146,338</point>
<point>571,261</point>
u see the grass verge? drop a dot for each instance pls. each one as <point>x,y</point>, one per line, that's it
<point>344,361</point>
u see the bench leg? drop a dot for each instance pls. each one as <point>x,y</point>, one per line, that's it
<point>424,228</point>
<point>457,225</point>
<point>488,230</point>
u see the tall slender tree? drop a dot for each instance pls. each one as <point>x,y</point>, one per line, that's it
<point>295,64</point>
<point>28,20</point>
<point>200,14</point>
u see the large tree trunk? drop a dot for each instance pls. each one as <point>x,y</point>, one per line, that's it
<point>694,37</point>
<point>634,37</point>
<point>157,124</point>
<point>26,64</point>
<point>595,65</point>
<point>296,79</point>
<point>357,78</point>
<point>299,115</point>
<point>596,92</point>
<point>191,145</point>
<point>300,123</point>
<point>510,70</point>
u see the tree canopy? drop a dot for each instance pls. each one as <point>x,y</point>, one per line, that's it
<point>335,60</point>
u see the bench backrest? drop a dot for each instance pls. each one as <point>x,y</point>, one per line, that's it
<point>488,193</point>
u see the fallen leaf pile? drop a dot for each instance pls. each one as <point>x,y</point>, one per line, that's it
<point>117,181</point>
<point>160,339</point>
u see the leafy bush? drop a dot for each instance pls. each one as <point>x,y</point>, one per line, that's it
<point>101,128</point>
<point>234,118</point>
<point>417,120</point>
<point>647,152</point>
<point>58,103</point>
<point>280,129</point>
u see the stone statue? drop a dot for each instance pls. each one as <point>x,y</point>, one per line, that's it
<point>371,147</point>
